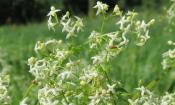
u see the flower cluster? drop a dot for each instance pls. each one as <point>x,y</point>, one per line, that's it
<point>101,8</point>
<point>53,20</point>
<point>169,57</point>
<point>171,11</point>
<point>4,83</point>
<point>113,43</point>
<point>68,81</point>
<point>64,77</point>
<point>149,98</point>
<point>71,26</point>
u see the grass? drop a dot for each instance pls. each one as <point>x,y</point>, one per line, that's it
<point>135,63</point>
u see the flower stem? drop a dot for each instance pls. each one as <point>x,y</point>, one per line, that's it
<point>26,93</point>
<point>102,26</point>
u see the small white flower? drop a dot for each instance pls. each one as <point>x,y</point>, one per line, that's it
<point>65,75</point>
<point>170,42</point>
<point>66,26</point>
<point>111,88</point>
<point>117,10</point>
<point>78,24</point>
<point>39,46</point>
<point>51,25</point>
<point>47,95</point>
<point>122,22</point>
<point>101,7</point>
<point>97,59</point>
<point>66,16</point>
<point>53,11</point>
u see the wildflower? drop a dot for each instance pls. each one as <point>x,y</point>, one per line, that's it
<point>31,61</point>
<point>170,42</point>
<point>99,97</point>
<point>143,32</point>
<point>131,15</point>
<point>97,59</point>
<point>66,16</point>
<point>122,22</point>
<point>70,26</point>
<point>88,75</point>
<point>4,82</point>
<point>52,14</point>
<point>111,88</point>
<point>40,47</point>
<point>53,11</point>
<point>149,98</point>
<point>78,24</point>
<point>61,54</point>
<point>47,96</point>
<point>66,26</point>
<point>117,11</point>
<point>143,90</point>
<point>51,25</point>
<point>40,70</point>
<point>94,39</point>
<point>101,8</point>
<point>65,75</point>
<point>170,53</point>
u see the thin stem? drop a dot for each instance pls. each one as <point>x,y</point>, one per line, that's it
<point>104,18</point>
<point>109,81</point>
<point>65,98</point>
<point>26,93</point>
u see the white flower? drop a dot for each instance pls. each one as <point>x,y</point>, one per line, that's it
<point>170,53</point>
<point>97,59</point>
<point>65,75</point>
<point>78,24</point>
<point>170,42</point>
<point>40,70</point>
<point>101,8</point>
<point>117,10</point>
<point>31,61</point>
<point>95,99</point>
<point>4,82</point>
<point>66,26</point>
<point>47,96</point>
<point>111,88</point>
<point>144,91</point>
<point>51,25</point>
<point>39,46</point>
<point>122,22</point>
<point>94,39</point>
<point>61,54</point>
<point>52,14</point>
<point>66,16</point>
<point>53,11</point>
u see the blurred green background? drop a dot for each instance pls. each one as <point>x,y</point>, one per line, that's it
<point>23,22</point>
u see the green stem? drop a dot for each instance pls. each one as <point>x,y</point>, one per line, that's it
<point>26,93</point>
<point>109,82</point>
<point>65,98</point>
<point>103,23</point>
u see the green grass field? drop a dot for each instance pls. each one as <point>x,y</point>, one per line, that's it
<point>135,63</point>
